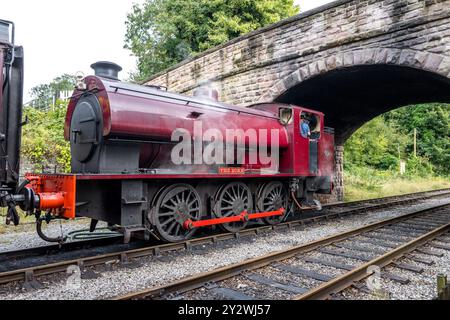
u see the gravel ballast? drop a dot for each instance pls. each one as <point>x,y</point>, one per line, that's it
<point>422,286</point>
<point>152,271</point>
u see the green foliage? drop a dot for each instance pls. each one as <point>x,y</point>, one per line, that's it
<point>45,95</point>
<point>381,143</point>
<point>419,167</point>
<point>161,33</point>
<point>432,122</point>
<point>377,144</point>
<point>43,143</point>
<point>367,182</point>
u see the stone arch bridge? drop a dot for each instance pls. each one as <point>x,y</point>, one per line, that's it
<point>351,59</point>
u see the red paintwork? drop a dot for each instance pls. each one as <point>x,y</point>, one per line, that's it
<point>94,85</point>
<point>55,191</point>
<point>51,200</point>
<point>244,216</point>
<point>147,113</point>
<point>326,155</point>
<point>172,176</point>
<point>260,215</point>
<point>139,112</point>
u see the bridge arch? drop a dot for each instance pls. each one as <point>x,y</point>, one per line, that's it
<point>353,87</point>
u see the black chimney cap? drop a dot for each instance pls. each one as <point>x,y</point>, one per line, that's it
<point>106,69</point>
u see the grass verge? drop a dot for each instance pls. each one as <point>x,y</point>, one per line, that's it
<point>366,183</point>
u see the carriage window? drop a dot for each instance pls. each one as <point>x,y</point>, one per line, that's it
<point>309,125</point>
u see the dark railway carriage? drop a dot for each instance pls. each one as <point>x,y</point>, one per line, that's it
<point>123,169</point>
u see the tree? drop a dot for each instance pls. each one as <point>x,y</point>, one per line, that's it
<point>161,33</point>
<point>377,144</point>
<point>43,144</point>
<point>432,122</point>
<point>46,95</point>
<point>381,142</point>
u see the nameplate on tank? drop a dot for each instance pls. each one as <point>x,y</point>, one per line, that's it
<point>231,170</point>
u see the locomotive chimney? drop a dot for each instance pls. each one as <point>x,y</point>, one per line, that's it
<point>106,69</point>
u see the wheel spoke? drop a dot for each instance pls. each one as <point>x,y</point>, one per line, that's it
<point>167,221</point>
<point>235,190</point>
<point>194,209</point>
<point>173,208</point>
<point>232,194</point>
<point>177,230</point>
<point>228,201</point>
<point>242,192</point>
<point>165,214</point>
<point>171,227</point>
<point>229,213</point>
<point>182,193</point>
<point>192,202</point>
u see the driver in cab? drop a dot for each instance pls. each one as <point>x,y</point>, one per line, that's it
<point>305,130</point>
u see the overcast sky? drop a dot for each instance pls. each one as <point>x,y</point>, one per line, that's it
<point>62,36</point>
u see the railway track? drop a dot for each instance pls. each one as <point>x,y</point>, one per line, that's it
<point>335,205</point>
<point>26,265</point>
<point>290,274</point>
<point>413,196</point>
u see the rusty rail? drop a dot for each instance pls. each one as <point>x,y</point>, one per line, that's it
<point>25,274</point>
<point>223,273</point>
<point>347,279</point>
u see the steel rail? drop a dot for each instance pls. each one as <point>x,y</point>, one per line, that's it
<point>197,281</point>
<point>444,191</point>
<point>126,255</point>
<point>68,246</point>
<point>344,281</point>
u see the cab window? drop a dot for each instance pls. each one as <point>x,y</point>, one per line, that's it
<point>309,125</point>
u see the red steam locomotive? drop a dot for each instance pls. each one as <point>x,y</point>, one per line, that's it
<point>159,163</point>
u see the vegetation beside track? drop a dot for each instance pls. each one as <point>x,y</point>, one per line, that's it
<point>374,152</point>
<point>367,183</point>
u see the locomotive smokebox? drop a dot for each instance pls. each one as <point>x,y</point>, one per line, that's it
<point>106,69</point>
